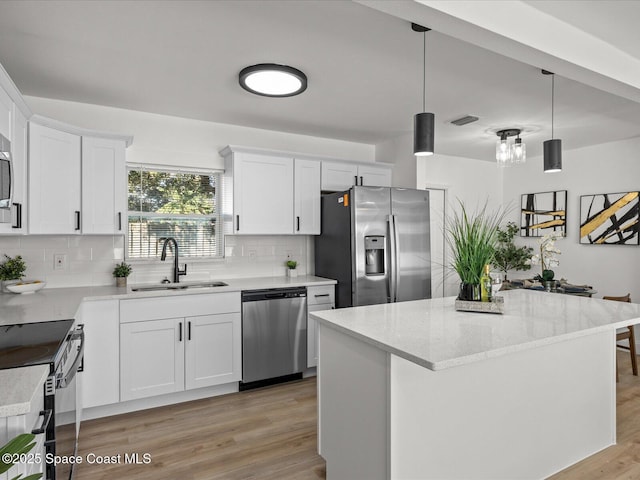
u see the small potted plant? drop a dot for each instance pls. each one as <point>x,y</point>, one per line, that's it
<point>12,270</point>
<point>291,268</point>
<point>121,272</point>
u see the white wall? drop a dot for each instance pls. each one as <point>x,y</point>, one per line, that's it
<point>162,139</point>
<point>606,168</point>
<point>399,152</point>
<point>167,140</point>
<point>472,182</point>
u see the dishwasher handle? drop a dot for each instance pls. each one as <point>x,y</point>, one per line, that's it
<point>273,294</point>
<point>270,296</point>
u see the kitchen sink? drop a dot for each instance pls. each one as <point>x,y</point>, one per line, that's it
<point>178,286</point>
<point>206,285</point>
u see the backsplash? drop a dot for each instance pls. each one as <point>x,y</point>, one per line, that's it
<point>89,260</point>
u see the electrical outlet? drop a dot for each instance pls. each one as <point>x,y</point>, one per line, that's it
<point>59,261</point>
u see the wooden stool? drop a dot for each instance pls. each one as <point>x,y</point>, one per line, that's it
<point>626,334</point>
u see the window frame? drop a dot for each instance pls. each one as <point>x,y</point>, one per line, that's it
<point>218,206</point>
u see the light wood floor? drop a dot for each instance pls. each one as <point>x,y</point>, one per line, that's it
<point>271,434</point>
<point>267,433</point>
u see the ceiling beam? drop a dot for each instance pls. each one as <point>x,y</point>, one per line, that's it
<point>537,39</point>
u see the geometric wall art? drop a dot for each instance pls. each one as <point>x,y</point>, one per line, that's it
<point>542,213</point>
<point>610,218</point>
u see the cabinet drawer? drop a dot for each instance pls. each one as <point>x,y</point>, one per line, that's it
<point>324,294</point>
<point>157,308</point>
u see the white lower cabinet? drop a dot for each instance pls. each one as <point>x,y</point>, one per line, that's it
<point>160,355</point>
<point>318,299</point>
<point>101,366</point>
<point>210,356</point>
<point>152,358</point>
<point>11,427</point>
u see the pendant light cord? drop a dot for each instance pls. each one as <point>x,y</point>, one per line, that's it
<point>424,69</point>
<point>553,89</point>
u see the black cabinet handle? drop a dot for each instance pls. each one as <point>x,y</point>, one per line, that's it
<point>46,418</point>
<point>361,181</point>
<point>18,223</point>
<point>120,221</point>
<point>77,219</point>
<point>237,223</point>
<point>323,295</point>
<point>189,330</point>
<point>180,332</point>
<point>356,179</point>
<point>298,224</point>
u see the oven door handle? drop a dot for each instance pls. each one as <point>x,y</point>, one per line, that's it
<point>78,333</point>
<point>46,414</point>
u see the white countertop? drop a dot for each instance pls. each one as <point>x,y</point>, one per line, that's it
<point>18,387</point>
<point>431,333</point>
<point>51,304</point>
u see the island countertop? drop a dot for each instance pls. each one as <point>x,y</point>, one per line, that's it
<point>431,333</point>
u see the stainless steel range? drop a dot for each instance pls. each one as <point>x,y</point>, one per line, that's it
<point>59,344</point>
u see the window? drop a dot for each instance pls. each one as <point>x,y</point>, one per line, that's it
<point>172,203</point>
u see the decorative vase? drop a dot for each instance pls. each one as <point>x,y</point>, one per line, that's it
<point>549,285</point>
<point>292,272</point>
<point>121,281</point>
<point>469,292</point>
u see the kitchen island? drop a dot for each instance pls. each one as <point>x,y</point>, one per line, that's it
<point>417,390</point>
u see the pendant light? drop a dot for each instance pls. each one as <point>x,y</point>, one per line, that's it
<point>423,123</point>
<point>552,149</point>
<point>508,154</point>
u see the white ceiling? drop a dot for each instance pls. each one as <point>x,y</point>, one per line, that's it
<point>364,67</point>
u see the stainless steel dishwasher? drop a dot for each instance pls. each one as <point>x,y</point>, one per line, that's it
<point>274,336</point>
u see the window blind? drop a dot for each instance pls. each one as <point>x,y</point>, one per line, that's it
<point>172,203</point>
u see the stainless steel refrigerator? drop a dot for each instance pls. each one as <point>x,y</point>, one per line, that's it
<point>375,243</point>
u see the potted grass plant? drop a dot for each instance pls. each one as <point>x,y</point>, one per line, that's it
<point>472,239</point>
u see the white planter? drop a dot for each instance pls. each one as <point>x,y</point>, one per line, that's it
<point>292,273</point>
<point>7,282</point>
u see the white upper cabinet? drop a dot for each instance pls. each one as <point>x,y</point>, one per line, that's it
<point>272,192</point>
<point>104,189</point>
<point>338,176</point>
<point>306,190</point>
<point>262,187</point>
<point>6,114</point>
<point>374,176</point>
<point>77,181</point>
<point>54,181</point>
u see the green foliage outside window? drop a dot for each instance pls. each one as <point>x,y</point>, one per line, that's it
<point>173,204</point>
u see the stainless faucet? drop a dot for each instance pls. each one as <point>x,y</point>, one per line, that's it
<point>176,268</point>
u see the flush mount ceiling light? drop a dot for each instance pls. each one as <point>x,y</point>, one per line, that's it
<point>273,80</point>
<point>423,123</point>
<point>508,154</point>
<point>552,149</point>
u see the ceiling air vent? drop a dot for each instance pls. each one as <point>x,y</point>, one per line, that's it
<point>464,120</point>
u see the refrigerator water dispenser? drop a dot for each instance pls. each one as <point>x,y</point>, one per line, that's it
<point>374,255</point>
